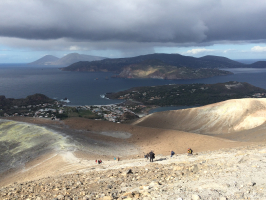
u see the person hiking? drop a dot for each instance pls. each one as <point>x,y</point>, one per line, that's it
<point>152,156</point>
<point>147,156</point>
<point>189,152</point>
<point>172,153</point>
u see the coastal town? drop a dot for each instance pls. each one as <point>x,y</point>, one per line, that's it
<point>59,110</point>
<point>137,101</point>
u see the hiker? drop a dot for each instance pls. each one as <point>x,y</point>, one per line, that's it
<point>152,156</point>
<point>147,156</point>
<point>99,161</point>
<point>189,152</point>
<point>172,153</point>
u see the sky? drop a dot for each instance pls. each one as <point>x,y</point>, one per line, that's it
<point>31,29</point>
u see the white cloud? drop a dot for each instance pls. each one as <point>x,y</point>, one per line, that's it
<point>74,48</point>
<point>198,51</point>
<point>225,51</point>
<point>258,49</point>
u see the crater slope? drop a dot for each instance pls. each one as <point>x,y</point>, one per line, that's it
<point>230,116</point>
<point>35,148</point>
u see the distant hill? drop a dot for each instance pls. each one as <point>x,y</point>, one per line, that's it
<point>66,60</point>
<point>46,60</point>
<point>177,60</point>
<point>159,70</point>
<point>249,61</point>
<point>164,66</point>
<point>189,94</point>
<point>259,64</point>
<point>7,103</point>
<point>75,57</point>
<point>221,61</point>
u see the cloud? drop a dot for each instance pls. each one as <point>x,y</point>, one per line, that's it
<point>258,49</point>
<point>138,21</point>
<point>63,44</point>
<point>198,51</point>
<point>75,48</point>
<point>227,50</point>
<point>129,25</point>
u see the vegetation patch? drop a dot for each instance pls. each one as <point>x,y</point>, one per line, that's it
<point>189,94</point>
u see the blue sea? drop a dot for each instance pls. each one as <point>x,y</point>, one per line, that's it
<point>86,88</point>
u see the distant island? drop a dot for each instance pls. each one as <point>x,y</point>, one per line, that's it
<point>159,70</point>
<point>189,94</point>
<point>69,59</point>
<point>163,66</point>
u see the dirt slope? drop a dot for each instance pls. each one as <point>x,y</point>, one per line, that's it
<point>108,146</point>
<point>233,123</point>
<point>219,118</point>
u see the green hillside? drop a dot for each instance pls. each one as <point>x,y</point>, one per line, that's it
<point>189,94</point>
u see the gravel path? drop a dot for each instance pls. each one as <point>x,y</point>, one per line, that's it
<point>223,174</point>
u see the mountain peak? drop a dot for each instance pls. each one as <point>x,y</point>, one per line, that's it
<point>66,60</point>
<point>45,60</point>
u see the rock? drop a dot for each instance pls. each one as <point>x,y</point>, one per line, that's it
<point>60,197</point>
<point>127,172</point>
<point>147,187</point>
<point>195,197</point>
<point>223,198</point>
<point>153,183</point>
<point>136,195</point>
<point>107,198</point>
<point>179,167</point>
<point>239,195</point>
<point>251,184</point>
<point>194,168</point>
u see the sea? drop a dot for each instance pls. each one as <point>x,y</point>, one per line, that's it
<point>88,88</point>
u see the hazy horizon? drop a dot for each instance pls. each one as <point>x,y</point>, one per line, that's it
<point>245,61</point>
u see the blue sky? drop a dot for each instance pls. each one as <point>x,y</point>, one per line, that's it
<point>35,28</point>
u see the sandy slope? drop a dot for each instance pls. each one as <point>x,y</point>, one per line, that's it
<point>233,123</point>
<point>235,173</point>
<point>143,139</point>
<point>225,117</point>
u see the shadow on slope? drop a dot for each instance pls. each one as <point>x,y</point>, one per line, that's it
<point>257,134</point>
<point>162,141</point>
